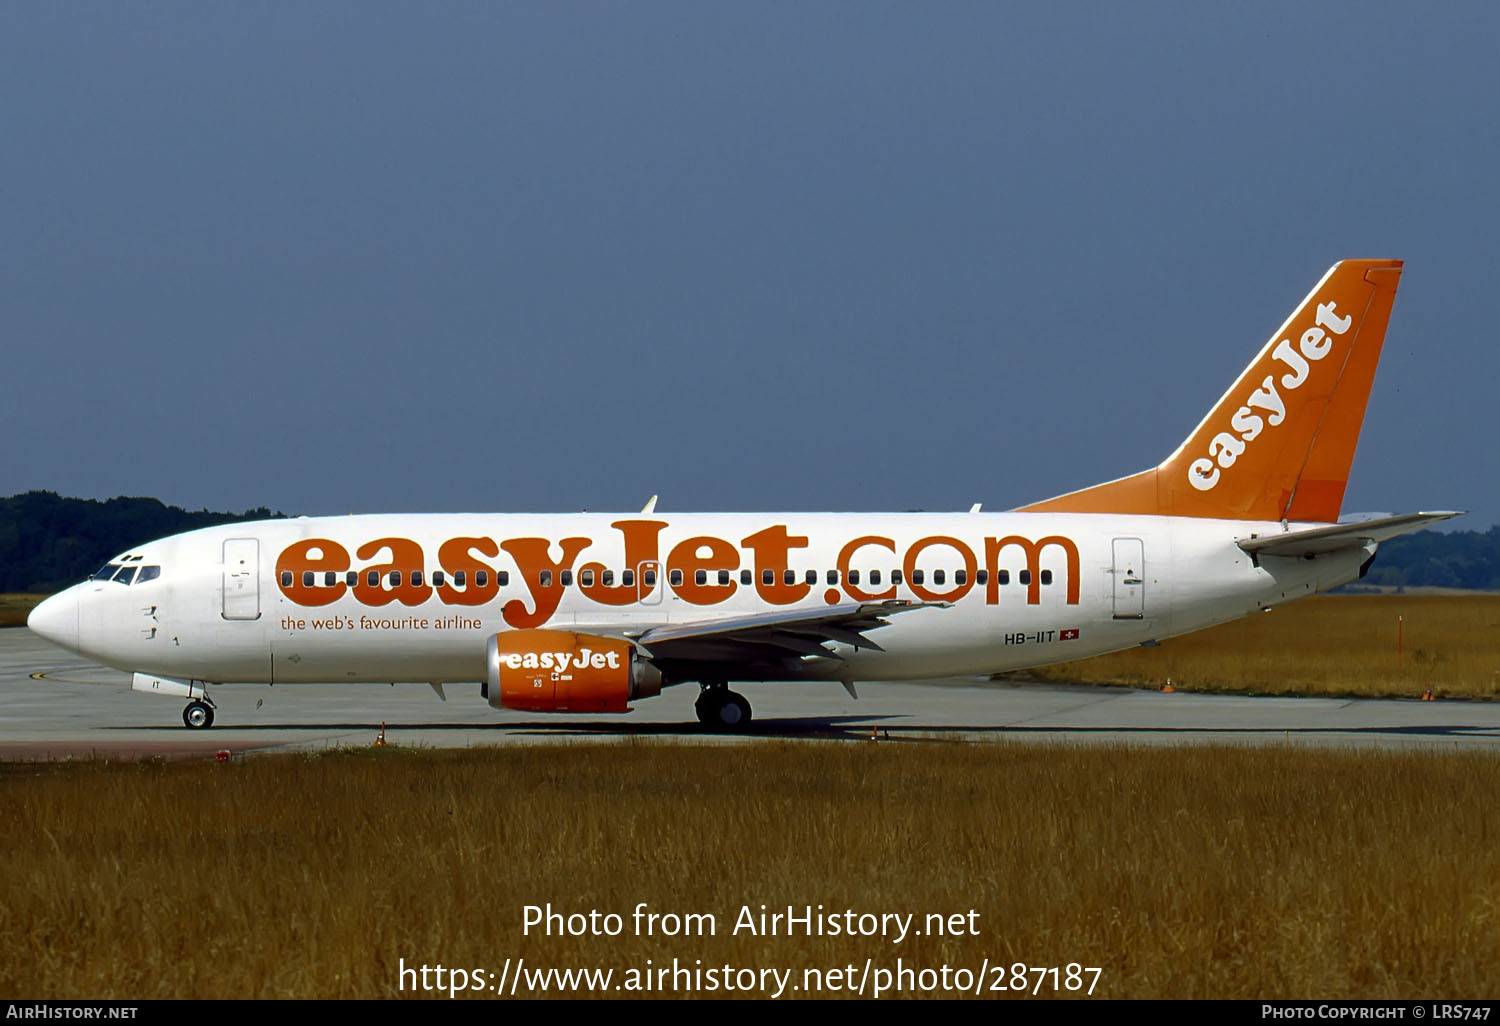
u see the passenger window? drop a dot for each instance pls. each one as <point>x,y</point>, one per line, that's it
<point>608,579</point>
<point>768,577</point>
<point>395,578</point>
<point>502,578</point>
<point>650,578</point>
<point>852,577</point>
<point>586,578</point>
<point>148,573</point>
<point>895,576</point>
<point>416,578</point>
<point>811,577</point>
<point>675,577</point>
<point>437,578</point>
<point>567,578</point>
<point>789,576</point>
<point>373,578</point>
<point>330,579</point>
<point>833,577</point>
<point>960,577</point>
<point>546,579</point>
<point>723,577</point>
<point>460,578</point>
<point>1046,576</point>
<point>351,578</point>
<point>982,577</point>
<point>874,577</point>
<point>307,578</point>
<point>628,578</point>
<point>745,578</point>
<point>700,576</point>
<point>1025,577</point>
<point>482,579</point>
<point>286,578</point>
<point>939,577</point>
<point>917,577</point>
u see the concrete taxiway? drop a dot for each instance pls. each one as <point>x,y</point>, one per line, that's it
<point>54,705</point>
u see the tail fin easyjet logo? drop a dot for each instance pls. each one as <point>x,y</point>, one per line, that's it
<point>1280,441</point>
<point>1266,406</point>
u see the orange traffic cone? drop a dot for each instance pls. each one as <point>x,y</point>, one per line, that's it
<point>380,741</point>
<point>1167,688</point>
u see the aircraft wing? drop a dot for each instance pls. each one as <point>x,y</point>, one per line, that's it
<point>764,636</point>
<point>1315,540</point>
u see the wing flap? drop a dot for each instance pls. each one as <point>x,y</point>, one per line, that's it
<point>804,633</point>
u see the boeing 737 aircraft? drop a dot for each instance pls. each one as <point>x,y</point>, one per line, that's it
<point>588,612</point>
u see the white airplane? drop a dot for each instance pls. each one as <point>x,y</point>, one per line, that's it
<point>590,612</point>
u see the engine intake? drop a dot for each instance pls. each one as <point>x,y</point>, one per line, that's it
<point>564,671</point>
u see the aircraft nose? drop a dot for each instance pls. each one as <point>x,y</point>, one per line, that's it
<point>56,619</point>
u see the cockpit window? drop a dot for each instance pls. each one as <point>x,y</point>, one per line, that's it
<point>126,574</point>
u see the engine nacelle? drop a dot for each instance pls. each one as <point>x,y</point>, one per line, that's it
<point>564,671</point>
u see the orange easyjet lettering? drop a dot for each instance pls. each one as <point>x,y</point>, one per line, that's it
<point>393,580</point>
<point>640,547</point>
<point>543,577</point>
<point>846,554</point>
<point>700,570</point>
<point>771,547</point>
<point>1033,550</point>
<point>706,556</point>
<point>920,589</point>
<point>312,556</point>
<point>456,556</point>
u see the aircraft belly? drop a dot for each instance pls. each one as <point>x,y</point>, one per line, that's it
<point>397,655</point>
<point>235,653</point>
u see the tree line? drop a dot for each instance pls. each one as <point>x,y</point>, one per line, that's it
<point>48,542</point>
<point>1428,559</point>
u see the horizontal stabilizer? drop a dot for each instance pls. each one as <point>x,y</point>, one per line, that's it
<point>1316,540</point>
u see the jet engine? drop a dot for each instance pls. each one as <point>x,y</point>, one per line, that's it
<point>564,671</point>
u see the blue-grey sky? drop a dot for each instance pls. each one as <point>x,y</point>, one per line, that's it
<point>336,257</point>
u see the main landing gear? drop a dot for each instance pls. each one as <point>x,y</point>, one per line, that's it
<point>721,709</point>
<point>199,714</point>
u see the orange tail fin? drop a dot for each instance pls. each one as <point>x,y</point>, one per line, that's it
<point>1279,444</point>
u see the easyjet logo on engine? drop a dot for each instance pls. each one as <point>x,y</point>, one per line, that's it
<point>1266,406</point>
<point>702,570</point>
<point>584,659</point>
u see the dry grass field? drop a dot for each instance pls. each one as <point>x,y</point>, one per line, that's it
<point>1200,872</point>
<point>1344,645</point>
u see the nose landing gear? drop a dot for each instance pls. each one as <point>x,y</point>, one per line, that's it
<point>199,714</point>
